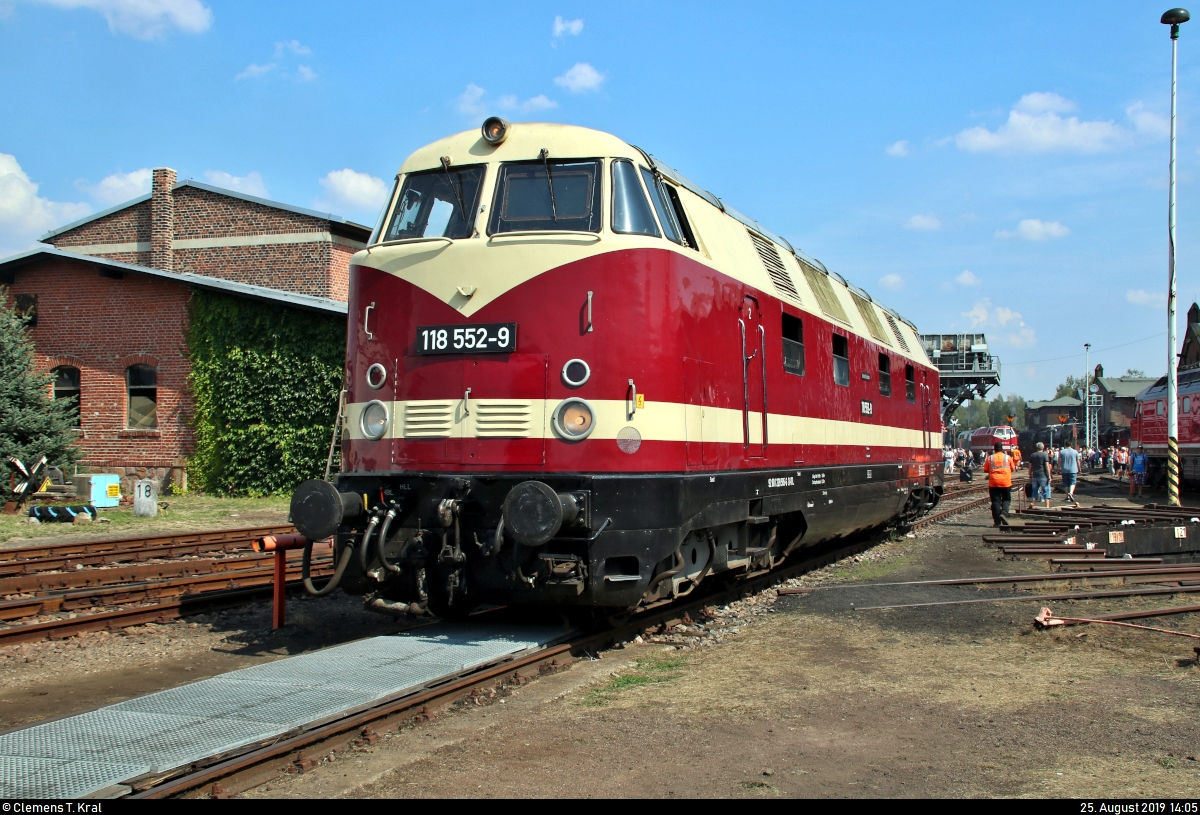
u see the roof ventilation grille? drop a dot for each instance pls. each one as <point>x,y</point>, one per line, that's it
<point>774,266</point>
<point>868,314</point>
<point>825,295</point>
<point>896,330</point>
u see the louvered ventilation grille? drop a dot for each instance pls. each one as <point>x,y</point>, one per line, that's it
<point>868,313</point>
<point>821,287</point>
<point>775,268</point>
<point>896,330</point>
<point>428,420</point>
<point>498,418</point>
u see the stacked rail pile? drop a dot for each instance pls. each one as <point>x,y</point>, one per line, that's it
<point>1125,545</point>
<point>62,589</point>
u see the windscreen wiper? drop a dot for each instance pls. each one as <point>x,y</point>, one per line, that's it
<point>545,157</point>
<point>457,193</point>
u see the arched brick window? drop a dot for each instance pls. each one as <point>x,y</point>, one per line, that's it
<point>142,382</point>
<point>66,386</point>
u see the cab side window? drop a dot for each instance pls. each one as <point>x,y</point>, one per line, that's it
<point>793,345</point>
<point>885,375</point>
<point>841,360</point>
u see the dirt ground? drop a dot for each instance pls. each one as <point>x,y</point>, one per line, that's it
<point>810,695</point>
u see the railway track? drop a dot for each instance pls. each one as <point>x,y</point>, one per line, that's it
<point>59,590</point>
<point>158,591</point>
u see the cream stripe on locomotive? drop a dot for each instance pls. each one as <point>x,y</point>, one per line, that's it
<point>489,266</point>
<point>657,421</point>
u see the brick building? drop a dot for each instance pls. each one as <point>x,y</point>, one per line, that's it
<point>1063,410</point>
<point>109,301</point>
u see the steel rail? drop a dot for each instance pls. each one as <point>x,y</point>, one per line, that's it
<point>120,574</point>
<point>1083,595</point>
<point>1000,579</point>
<point>116,619</point>
<point>256,574</point>
<point>141,541</point>
<point>157,551</point>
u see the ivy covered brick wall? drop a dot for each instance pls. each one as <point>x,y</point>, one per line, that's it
<point>265,380</point>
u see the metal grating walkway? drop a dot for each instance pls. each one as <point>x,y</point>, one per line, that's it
<point>79,755</point>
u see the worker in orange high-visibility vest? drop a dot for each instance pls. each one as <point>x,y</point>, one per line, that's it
<point>999,468</point>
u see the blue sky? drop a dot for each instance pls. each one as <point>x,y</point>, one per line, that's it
<point>999,168</point>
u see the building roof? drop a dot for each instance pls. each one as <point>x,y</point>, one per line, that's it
<point>302,301</point>
<point>1062,401</point>
<point>1125,386</point>
<point>325,216</point>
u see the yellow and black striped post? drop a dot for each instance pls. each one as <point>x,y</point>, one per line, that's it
<point>1172,471</point>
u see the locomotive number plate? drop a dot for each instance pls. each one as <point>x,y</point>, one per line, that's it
<point>485,338</point>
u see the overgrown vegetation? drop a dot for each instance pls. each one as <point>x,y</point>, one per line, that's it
<point>266,381</point>
<point>32,424</point>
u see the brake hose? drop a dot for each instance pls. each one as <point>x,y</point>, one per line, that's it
<point>383,538</point>
<point>332,583</point>
<point>365,547</point>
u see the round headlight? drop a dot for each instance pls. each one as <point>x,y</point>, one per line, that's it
<point>576,372</point>
<point>374,420</point>
<point>376,376</point>
<point>573,419</point>
<point>495,130</point>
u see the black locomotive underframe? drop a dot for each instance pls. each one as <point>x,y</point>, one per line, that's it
<point>630,530</point>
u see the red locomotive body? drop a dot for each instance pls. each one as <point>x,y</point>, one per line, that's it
<point>573,377</point>
<point>984,439</point>
<point>1149,428</point>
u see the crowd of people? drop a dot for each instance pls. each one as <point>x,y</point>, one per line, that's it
<point>1066,460</point>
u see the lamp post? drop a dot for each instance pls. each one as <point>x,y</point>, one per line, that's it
<point>1087,397</point>
<point>1174,18</point>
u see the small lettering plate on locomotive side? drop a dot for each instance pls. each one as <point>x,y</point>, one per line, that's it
<point>483,338</point>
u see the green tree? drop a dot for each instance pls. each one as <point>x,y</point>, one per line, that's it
<point>1134,372</point>
<point>1070,387</point>
<point>32,424</point>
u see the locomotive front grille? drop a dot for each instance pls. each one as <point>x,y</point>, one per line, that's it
<point>428,419</point>
<point>502,418</point>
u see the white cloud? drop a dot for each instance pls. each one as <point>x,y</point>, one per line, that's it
<point>254,71</point>
<point>291,47</point>
<point>572,27</point>
<point>1031,229</point>
<point>353,190</point>
<point>1035,125</point>
<point>1009,326</point>
<point>967,278</point>
<point>24,215</point>
<point>1152,124</point>
<point>306,74</point>
<point>474,102</point>
<point>120,187</point>
<point>924,223</point>
<point>539,102</point>
<point>145,19</point>
<point>581,78</point>
<point>898,149</point>
<point>1044,102</point>
<point>1139,297</point>
<point>250,183</point>
<point>470,101</point>
<point>892,281</point>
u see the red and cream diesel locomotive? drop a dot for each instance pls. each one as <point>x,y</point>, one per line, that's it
<point>574,377</point>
